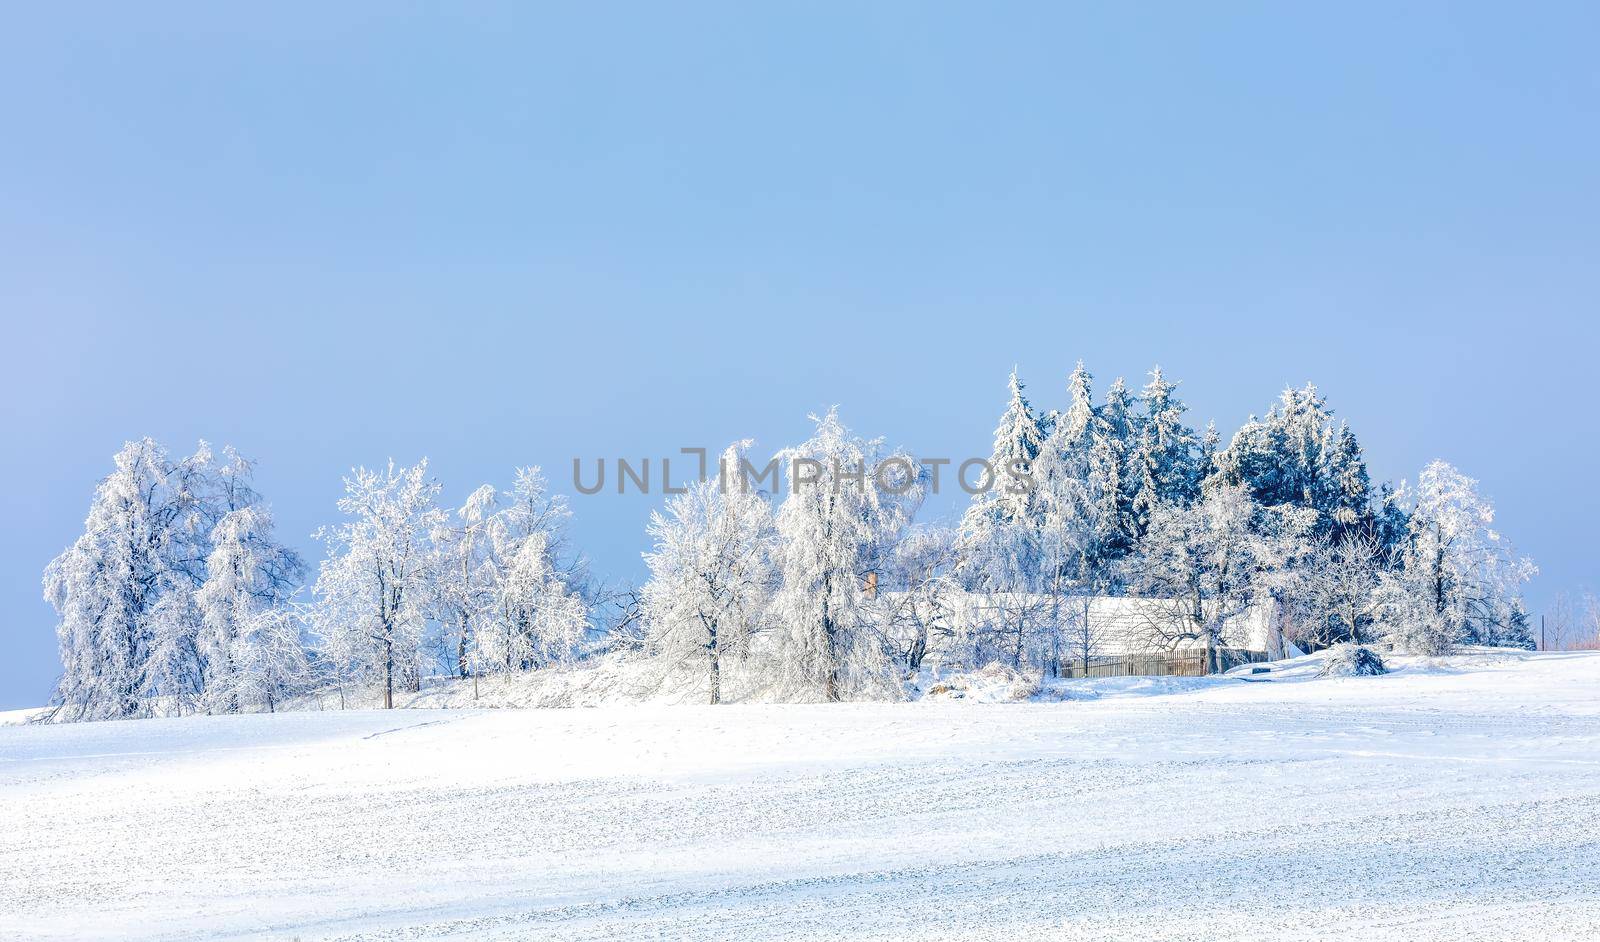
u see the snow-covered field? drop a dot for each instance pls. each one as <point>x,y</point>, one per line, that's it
<point>1458,800</point>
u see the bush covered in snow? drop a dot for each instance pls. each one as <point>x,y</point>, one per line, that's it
<point>1352,660</point>
<point>994,682</point>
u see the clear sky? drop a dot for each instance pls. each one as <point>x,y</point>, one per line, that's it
<point>503,234</point>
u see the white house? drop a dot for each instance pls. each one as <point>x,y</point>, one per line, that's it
<point>1107,626</point>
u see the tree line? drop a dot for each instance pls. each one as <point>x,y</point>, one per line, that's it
<point>179,598</point>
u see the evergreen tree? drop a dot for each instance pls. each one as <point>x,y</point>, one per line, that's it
<point>1110,486</point>
<point>1295,456</point>
<point>1017,442</point>
<point>1164,467</point>
<point>1351,488</point>
<point>1075,427</point>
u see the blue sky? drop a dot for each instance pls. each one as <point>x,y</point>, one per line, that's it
<point>503,235</point>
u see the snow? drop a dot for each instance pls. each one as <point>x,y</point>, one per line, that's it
<point>1455,798</point>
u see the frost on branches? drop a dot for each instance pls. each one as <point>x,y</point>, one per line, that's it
<point>712,575</point>
<point>373,588</point>
<point>506,594</point>
<point>159,599</point>
<point>178,597</point>
<point>847,507</point>
<point>1457,578</point>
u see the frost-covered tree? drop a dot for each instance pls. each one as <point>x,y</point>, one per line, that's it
<point>1560,628</point>
<point>174,673</point>
<point>248,574</point>
<point>1037,570</point>
<point>1000,539</point>
<point>1064,454</point>
<point>1005,560</point>
<point>249,580</point>
<point>542,617</point>
<point>466,570</point>
<point>1075,429</point>
<point>1338,596</point>
<point>1111,488</point>
<point>374,586</point>
<point>1205,564</point>
<point>1163,463</point>
<point>712,574</point>
<point>1518,629</point>
<point>1350,487</point>
<point>1017,442</point>
<point>271,658</point>
<point>846,505</point>
<point>1074,564</point>
<point>1589,621</point>
<point>1458,578</point>
<point>922,589</point>
<point>1296,456</point>
<point>123,591</point>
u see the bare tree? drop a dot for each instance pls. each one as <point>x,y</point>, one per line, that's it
<point>1561,625</point>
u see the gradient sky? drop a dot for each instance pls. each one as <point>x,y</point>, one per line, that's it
<point>503,235</point>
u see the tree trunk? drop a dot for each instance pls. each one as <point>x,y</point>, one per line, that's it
<point>919,650</point>
<point>713,662</point>
<point>388,673</point>
<point>830,656</point>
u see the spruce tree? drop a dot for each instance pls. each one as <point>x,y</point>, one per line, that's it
<point>1018,440</point>
<point>1165,466</point>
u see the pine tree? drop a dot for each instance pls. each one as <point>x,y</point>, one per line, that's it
<point>1110,487</point>
<point>1017,442</point>
<point>999,534</point>
<point>1295,456</point>
<point>1351,498</point>
<point>1075,425</point>
<point>1164,467</point>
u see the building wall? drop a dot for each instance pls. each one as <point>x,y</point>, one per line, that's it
<point>1118,625</point>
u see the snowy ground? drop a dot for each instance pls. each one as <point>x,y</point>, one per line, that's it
<point>1452,801</point>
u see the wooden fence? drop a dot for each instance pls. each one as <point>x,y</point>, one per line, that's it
<point>1174,664</point>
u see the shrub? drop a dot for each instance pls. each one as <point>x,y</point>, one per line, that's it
<point>1352,660</point>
